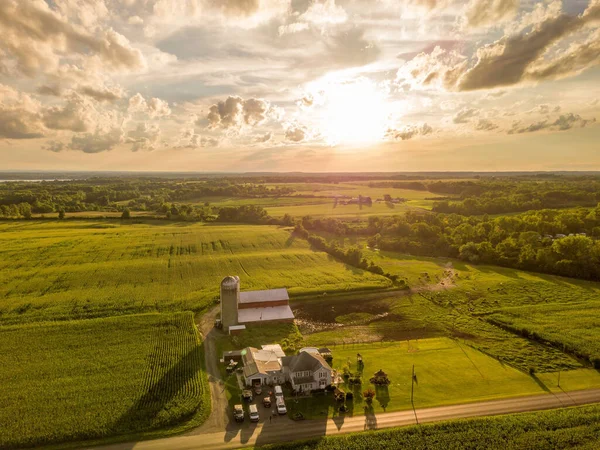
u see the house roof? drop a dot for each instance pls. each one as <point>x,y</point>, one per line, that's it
<point>260,361</point>
<point>269,295</point>
<point>305,361</point>
<point>247,315</point>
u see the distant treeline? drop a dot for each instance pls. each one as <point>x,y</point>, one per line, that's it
<point>491,196</point>
<point>100,194</point>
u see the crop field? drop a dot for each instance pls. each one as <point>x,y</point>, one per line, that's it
<point>448,372</point>
<point>567,428</point>
<point>77,380</point>
<point>79,269</point>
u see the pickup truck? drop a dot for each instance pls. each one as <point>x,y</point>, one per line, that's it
<point>238,413</point>
<point>267,402</point>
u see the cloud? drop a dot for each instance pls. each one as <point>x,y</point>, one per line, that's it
<point>506,62</point>
<point>154,108</point>
<point>438,69</point>
<point>236,7</point>
<point>101,94</point>
<point>236,112</point>
<point>562,123</point>
<point>20,115</point>
<point>54,146</point>
<point>480,13</point>
<point>295,133</point>
<point>349,47</point>
<point>20,124</point>
<point>190,139</point>
<point>75,115</point>
<point>544,109</point>
<point>262,138</point>
<point>320,14</point>
<point>578,57</point>
<point>485,125</point>
<point>53,90</point>
<point>34,38</point>
<point>465,115</point>
<point>144,137</point>
<point>97,142</point>
<point>408,132</point>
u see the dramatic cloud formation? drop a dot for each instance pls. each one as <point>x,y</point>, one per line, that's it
<point>262,79</point>
<point>34,37</point>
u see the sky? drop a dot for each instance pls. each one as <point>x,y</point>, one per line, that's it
<point>300,85</point>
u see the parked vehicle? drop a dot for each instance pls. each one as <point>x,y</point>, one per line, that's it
<point>278,391</point>
<point>281,409</point>
<point>267,402</point>
<point>238,413</point>
<point>257,389</point>
<point>253,413</point>
<point>247,395</point>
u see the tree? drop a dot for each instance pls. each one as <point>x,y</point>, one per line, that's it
<point>369,394</point>
<point>61,214</point>
<point>126,214</point>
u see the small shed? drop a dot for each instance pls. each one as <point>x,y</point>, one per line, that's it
<point>236,329</point>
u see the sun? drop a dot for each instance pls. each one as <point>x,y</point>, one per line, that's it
<point>353,112</point>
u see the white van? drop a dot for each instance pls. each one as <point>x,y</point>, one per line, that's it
<point>253,413</point>
<point>278,392</point>
<point>281,409</point>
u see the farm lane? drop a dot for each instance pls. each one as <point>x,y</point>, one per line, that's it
<point>217,419</point>
<point>264,433</point>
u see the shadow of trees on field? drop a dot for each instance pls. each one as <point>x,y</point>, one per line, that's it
<point>539,382</point>
<point>159,406</point>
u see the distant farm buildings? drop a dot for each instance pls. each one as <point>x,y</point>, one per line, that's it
<point>240,308</point>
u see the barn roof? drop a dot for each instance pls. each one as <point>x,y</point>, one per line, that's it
<point>248,315</point>
<point>268,295</point>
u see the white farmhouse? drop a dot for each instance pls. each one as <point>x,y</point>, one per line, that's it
<point>306,371</point>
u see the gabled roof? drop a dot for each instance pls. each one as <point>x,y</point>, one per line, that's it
<point>260,361</point>
<point>305,361</point>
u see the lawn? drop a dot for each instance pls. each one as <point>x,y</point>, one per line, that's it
<point>76,380</point>
<point>448,372</point>
<point>80,269</point>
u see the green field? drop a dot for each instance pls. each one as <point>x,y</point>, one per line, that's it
<point>448,372</point>
<point>89,379</point>
<point>572,428</point>
<point>79,269</point>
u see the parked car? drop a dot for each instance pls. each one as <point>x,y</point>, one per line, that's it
<point>281,409</point>
<point>247,395</point>
<point>278,391</point>
<point>257,389</point>
<point>267,402</point>
<point>253,413</point>
<point>238,413</point>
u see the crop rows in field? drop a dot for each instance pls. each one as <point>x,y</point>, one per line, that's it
<point>94,378</point>
<point>57,270</point>
<point>559,429</point>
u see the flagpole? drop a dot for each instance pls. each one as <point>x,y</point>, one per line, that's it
<point>412,392</point>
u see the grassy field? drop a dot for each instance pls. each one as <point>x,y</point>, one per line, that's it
<point>79,269</point>
<point>567,428</point>
<point>77,380</point>
<point>448,372</point>
<point>450,298</point>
